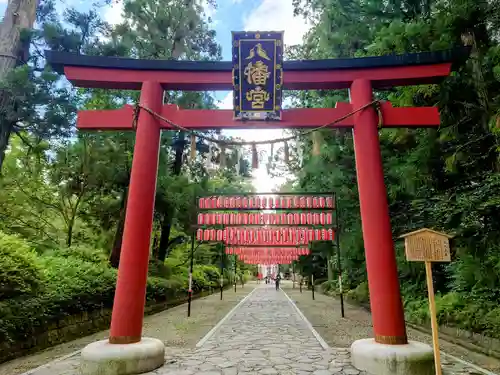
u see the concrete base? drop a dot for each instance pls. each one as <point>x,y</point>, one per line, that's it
<point>415,358</point>
<point>103,358</point>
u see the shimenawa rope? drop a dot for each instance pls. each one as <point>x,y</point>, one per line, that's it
<point>138,107</point>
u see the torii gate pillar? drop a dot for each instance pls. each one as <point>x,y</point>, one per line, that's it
<point>126,352</point>
<point>385,297</point>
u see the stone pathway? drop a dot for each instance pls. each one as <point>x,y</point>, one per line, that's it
<point>265,335</point>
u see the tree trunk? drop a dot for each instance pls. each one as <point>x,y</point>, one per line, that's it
<point>70,233</point>
<point>19,15</point>
<point>114,258</point>
<point>169,215</point>
<point>5,132</point>
<point>166,227</point>
<point>329,268</point>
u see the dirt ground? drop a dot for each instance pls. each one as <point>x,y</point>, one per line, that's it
<point>172,326</point>
<point>325,316</point>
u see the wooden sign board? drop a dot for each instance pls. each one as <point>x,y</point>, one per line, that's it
<point>427,245</point>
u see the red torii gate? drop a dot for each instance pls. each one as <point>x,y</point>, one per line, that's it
<point>360,75</point>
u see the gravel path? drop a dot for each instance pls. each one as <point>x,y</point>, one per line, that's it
<point>324,315</point>
<point>172,326</point>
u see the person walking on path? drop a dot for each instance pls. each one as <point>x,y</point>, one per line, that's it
<point>278,279</point>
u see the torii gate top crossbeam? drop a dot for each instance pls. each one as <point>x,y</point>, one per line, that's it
<point>382,71</point>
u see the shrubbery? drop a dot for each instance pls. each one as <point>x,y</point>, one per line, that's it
<point>19,272</point>
<point>453,309</point>
<point>36,291</point>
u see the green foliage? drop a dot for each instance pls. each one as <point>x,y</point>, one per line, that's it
<point>81,252</point>
<point>360,294</point>
<point>19,272</point>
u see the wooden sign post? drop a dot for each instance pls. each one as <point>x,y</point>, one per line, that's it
<point>427,245</point>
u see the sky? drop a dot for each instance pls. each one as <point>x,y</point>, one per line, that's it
<point>235,15</point>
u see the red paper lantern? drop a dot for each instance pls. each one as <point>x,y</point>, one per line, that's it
<point>238,202</point>
<point>315,202</point>
<point>317,235</point>
<point>244,202</point>
<point>257,202</point>
<point>309,218</point>
<point>303,219</point>
<point>316,219</point>
<point>328,218</point>
<point>329,202</point>
<point>271,202</point>
<point>199,234</point>
<point>322,218</point>
<point>296,202</point>
<point>296,218</point>
<point>310,235</point>
<point>302,202</point>
<point>322,202</point>
<point>309,202</point>
<point>331,234</point>
<point>264,202</point>
<point>219,235</point>
<point>324,235</point>
<point>200,219</point>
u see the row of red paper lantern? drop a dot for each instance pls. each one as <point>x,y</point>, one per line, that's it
<point>269,260</point>
<point>267,251</point>
<point>265,236</point>
<point>243,218</point>
<point>272,202</point>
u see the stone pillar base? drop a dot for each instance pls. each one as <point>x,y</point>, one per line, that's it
<point>103,358</point>
<point>414,358</point>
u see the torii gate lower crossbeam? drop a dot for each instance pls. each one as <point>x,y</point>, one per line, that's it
<point>385,299</point>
